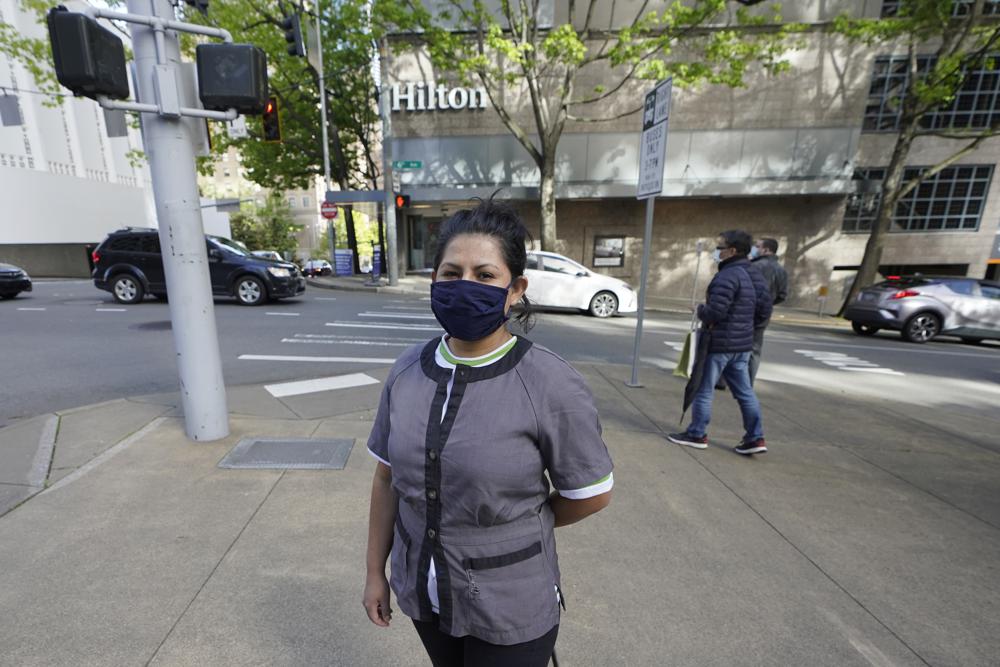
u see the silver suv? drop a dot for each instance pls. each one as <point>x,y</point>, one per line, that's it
<point>921,307</point>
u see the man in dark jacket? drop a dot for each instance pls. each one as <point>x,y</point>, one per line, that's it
<point>764,256</point>
<point>738,300</point>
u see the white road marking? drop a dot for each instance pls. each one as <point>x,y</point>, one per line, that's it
<point>376,343</point>
<point>111,310</point>
<point>413,308</point>
<point>394,339</point>
<point>401,316</point>
<point>326,298</point>
<point>403,327</point>
<point>35,309</point>
<point>906,349</point>
<point>319,384</point>
<point>841,361</point>
<point>278,357</point>
<point>677,346</point>
<point>283,314</point>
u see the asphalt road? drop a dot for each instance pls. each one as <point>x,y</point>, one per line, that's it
<point>67,344</point>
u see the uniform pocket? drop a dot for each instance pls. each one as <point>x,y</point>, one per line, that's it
<point>398,560</point>
<point>510,590</point>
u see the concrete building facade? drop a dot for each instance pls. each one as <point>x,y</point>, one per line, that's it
<point>789,156</point>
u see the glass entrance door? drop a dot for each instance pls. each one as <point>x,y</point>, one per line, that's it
<point>423,241</point>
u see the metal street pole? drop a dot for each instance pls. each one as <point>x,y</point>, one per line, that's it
<point>170,151</point>
<point>647,240</point>
<point>322,111</point>
<point>390,196</point>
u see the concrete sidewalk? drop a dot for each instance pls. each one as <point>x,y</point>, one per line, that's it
<point>420,285</point>
<point>869,535</point>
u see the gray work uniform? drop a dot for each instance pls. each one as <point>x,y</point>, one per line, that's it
<point>472,486</point>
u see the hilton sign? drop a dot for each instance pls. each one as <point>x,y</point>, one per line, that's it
<point>426,97</point>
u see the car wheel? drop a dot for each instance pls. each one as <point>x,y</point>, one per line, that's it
<point>864,329</point>
<point>160,296</point>
<point>604,304</point>
<point>126,289</point>
<point>9,295</point>
<point>972,341</point>
<point>250,291</point>
<point>921,328</point>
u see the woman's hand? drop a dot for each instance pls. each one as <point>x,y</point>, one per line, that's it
<point>376,600</point>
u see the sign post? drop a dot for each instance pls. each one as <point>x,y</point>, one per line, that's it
<point>652,156</point>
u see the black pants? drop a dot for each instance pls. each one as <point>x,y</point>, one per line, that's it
<point>447,651</point>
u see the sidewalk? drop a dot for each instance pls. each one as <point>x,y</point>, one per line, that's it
<point>869,535</point>
<point>419,284</point>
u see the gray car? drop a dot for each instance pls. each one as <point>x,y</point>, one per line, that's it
<point>921,307</point>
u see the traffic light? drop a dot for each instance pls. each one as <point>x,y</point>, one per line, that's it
<point>402,201</point>
<point>232,75</point>
<point>292,26</point>
<point>89,59</point>
<point>270,123</point>
<point>200,5</point>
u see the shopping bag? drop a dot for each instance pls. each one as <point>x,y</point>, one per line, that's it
<point>685,364</point>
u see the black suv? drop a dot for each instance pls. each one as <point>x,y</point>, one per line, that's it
<point>129,265</point>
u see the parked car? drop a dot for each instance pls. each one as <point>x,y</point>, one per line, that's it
<point>268,254</point>
<point>128,264</point>
<point>922,307</point>
<point>317,267</point>
<point>13,281</point>
<point>555,281</point>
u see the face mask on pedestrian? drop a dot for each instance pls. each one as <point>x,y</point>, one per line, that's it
<point>717,255</point>
<point>754,252</point>
<point>468,310</point>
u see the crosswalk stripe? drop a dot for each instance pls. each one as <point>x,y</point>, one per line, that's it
<point>284,314</point>
<point>374,343</point>
<point>326,298</point>
<point>279,357</point>
<point>31,309</point>
<point>401,316</point>
<point>111,310</point>
<point>402,327</point>
<point>319,384</point>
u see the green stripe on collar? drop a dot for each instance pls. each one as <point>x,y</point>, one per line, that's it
<point>452,359</point>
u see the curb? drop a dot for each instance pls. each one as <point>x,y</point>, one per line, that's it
<point>381,289</point>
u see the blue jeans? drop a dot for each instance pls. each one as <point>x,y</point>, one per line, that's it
<point>734,367</point>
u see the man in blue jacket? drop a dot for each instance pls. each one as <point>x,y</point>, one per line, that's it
<point>738,300</point>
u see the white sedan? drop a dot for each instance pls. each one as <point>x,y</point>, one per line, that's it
<point>555,281</point>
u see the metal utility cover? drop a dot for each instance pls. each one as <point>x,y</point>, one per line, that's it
<point>289,454</point>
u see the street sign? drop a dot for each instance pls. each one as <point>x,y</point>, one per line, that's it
<point>328,210</point>
<point>653,144</point>
<point>237,129</point>
<point>407,164</point>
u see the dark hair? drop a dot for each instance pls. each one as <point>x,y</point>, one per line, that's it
<point>770,244</point>
<point>739,239</point>
<point>498,221</point>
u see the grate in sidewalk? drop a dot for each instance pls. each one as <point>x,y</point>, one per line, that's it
<point>289,454</point>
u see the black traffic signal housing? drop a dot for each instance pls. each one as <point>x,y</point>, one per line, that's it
<point>270,123</point>
<point>232,76</point>
<point>402,201</point>
<point>292,25</point>
<point>89,59</point>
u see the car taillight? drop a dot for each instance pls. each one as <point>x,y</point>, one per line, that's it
<point>903,293</point>
<point>94,256</point>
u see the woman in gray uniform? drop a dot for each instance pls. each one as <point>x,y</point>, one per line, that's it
<point>471,429</point>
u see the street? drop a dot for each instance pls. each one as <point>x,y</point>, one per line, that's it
<point>68,344</point>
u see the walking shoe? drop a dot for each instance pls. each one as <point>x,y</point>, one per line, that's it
<point>689,440</point>
<point>757,446</point>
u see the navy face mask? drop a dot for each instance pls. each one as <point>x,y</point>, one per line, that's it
<point>468,310</point>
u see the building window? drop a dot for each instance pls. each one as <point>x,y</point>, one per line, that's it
<point>953,200</point>
<point>305,202</point>
<point>960,8</point>
<point>225,172</point>
<point>291,201</point>
<point>974,107</point>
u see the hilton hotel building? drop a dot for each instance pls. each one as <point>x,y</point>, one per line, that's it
<point>795,157</point>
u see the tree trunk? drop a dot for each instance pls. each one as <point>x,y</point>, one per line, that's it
<point>547,202</point>
<point>880,229</point>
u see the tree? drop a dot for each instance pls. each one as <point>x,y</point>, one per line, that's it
<point>695,42</point>
<point>348,52</point>
<point>959,37</point>
<point>268,227</point>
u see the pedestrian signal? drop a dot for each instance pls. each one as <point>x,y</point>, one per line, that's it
<point>271,125</point>
<point>402,201</point>
<point>89,58</point>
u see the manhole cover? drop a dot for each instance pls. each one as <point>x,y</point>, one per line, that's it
<point>163,325</point>
<point>289,454</point>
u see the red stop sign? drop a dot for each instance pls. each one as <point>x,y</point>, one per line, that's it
<point>328,210</point>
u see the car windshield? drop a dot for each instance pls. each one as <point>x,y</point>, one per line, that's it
<point>561,265</point>
<point>231,246</point>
